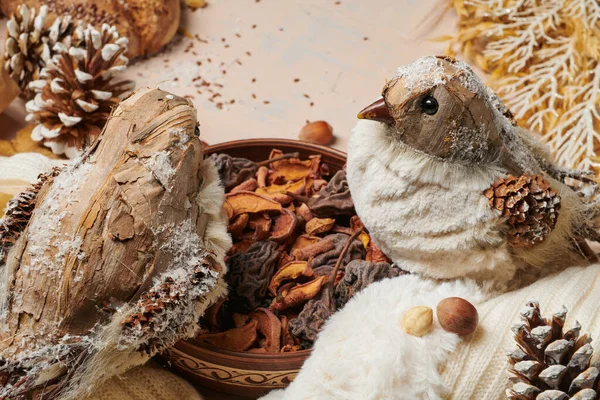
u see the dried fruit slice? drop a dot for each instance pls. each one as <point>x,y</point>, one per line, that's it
<point>285,225</point>
<point>293,169</point>
<point>290,271</point>
<point>319,225</point>
<point>299,294</point>
<point>270,327</point>
<point>237,226</point>
<point>249,202</point>
<point>303,241</point>
<point>237,339</point>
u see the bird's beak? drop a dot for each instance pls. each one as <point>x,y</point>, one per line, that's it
<point>377,111</point>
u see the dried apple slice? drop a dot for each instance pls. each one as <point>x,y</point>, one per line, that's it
<point>240,247</point>
<point>247,186</point>
<point>304,213</point>
<point>258,350</point>
<point>298,295</point>
<point>290,271</point>
<point>213,315</point>
<point>285,288</point>
<point>286,336</point>
<point>294,169</point>
<point>240,320</point>
<point>313,249</point>
<point>238,224</point>
<point>285,224</point>
<point>270,327</point>
<point>249,202</point>
<point>374,254</point>
<point>303,241</point>
<point>237,339</point>
<point>319,225</point>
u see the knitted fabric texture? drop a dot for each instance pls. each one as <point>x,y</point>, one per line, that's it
<point>144,383</point>
<point>477,368</point>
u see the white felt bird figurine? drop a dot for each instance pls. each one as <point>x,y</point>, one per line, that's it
<point>472,206</point>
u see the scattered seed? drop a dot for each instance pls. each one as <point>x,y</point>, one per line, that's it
<point>296,80</point>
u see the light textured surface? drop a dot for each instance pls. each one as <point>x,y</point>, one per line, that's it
<point>319,42</point>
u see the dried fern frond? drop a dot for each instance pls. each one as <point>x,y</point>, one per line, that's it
<point>543,57</point>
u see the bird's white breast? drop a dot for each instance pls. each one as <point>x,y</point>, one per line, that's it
<point>428,215</point>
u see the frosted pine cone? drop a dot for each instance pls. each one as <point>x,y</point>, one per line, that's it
<point>549,364</point>
<point>29,45</point>
<point>75,93</point>
<point>529,204</point>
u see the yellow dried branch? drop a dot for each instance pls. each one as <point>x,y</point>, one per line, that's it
<point>543,60</point>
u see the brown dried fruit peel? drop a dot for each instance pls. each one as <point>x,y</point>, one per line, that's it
<point>300,225</point>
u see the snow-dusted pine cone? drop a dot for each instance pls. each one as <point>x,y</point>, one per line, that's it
<point>29,44</point>
<point>76,92</point>
<point>549,364</point>
<point>529,204</point>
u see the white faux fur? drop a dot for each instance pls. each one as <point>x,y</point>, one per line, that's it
<point>363,353</point>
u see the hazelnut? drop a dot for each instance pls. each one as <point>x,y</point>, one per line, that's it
<point>318,132</point>
<point>457,315</point>
<point>417,321</point>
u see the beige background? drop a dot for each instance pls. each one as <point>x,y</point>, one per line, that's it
<point>341,52</point>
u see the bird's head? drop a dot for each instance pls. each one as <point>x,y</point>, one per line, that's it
<point>438,106</point>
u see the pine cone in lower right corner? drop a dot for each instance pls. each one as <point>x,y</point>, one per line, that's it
<point>549,364</point>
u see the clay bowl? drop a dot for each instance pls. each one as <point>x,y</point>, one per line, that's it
<point>246,374</point>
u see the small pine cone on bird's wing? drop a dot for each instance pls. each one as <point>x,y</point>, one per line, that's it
<point>548,362</point>
<point>529,205</point>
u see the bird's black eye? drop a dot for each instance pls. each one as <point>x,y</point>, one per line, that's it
<point>429,105</point>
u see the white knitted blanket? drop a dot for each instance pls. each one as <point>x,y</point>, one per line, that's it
<point>477,368</point>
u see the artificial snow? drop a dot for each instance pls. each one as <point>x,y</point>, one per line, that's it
<point>45,229</point>
<point>159,164</point>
